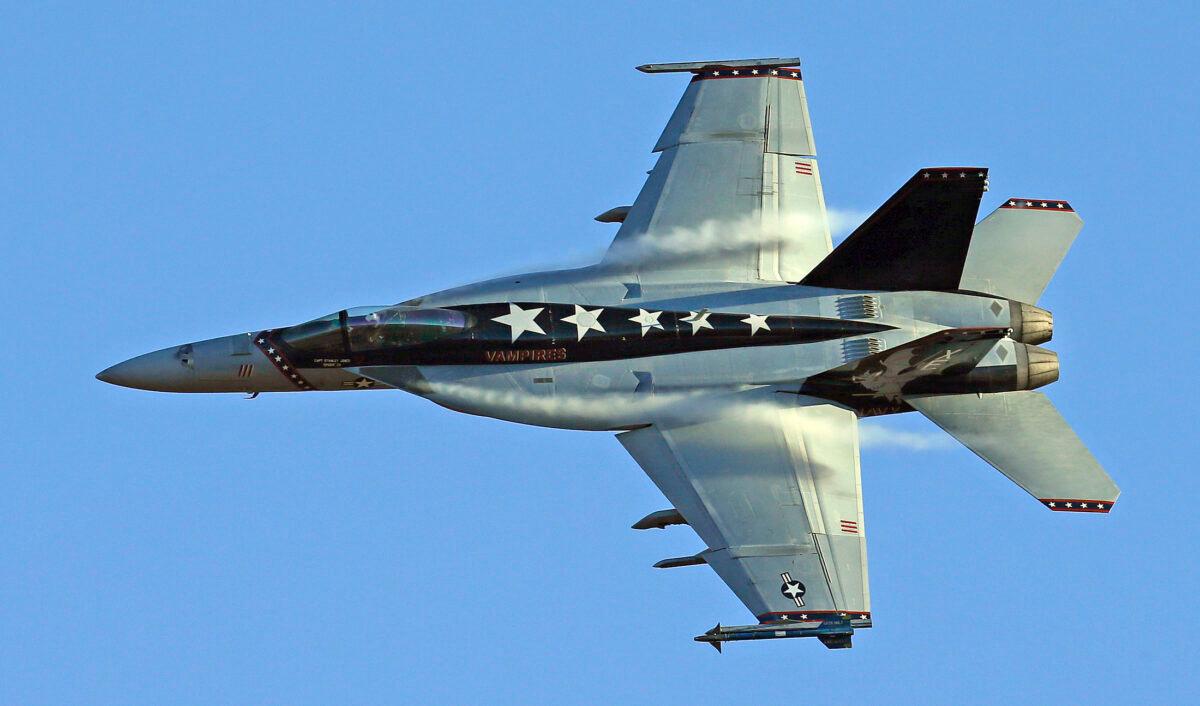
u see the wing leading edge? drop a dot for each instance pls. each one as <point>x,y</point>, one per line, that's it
<point>771,485</point>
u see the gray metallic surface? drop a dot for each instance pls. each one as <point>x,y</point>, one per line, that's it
<point>1014,252</point>
<point>755,446</point>
<point>1023,436</point>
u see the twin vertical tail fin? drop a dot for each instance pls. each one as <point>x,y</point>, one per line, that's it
<point>925,238</point>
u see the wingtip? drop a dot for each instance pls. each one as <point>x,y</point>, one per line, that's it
<point>1076,505</point>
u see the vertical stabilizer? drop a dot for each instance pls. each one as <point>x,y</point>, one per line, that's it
<point>918,239</point>
<point>1015,250</point>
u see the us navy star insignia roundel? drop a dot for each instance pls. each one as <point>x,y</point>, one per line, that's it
<point>793,590</point>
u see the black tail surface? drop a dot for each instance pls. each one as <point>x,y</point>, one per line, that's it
<point>918,238</point>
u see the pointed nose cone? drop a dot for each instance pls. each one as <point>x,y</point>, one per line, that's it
<point>161,371</point>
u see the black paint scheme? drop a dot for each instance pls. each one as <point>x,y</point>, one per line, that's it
<point>945,362</point>
<point>469,335</point>
<point>917,240</point>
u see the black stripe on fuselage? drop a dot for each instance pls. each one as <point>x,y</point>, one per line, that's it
<point>487,341</point>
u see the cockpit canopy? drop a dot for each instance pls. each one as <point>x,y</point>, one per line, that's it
<point>372,328</point>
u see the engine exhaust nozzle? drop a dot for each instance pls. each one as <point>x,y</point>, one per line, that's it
<point>1036,367</point>
<point>1030,324</point>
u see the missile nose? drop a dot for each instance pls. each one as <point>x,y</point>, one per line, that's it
<point>161,371</point>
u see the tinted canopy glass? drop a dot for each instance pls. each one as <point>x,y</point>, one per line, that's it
<point>319,337</point>
<point>372,328</point>
<point>399,326</point>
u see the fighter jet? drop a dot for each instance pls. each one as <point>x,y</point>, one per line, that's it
<point>732,348</point>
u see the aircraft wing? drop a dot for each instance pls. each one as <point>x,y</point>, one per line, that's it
<point>736,193</point>
<point>771,485</point>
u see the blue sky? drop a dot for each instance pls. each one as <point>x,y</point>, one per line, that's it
<point>176,173</point>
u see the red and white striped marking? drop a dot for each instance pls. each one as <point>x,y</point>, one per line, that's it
<point>849,526</point>
<point>805,168</point>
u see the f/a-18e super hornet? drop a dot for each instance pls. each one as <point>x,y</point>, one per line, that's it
<point>733,348</point>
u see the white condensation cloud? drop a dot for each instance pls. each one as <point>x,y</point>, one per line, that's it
<point>713,238</point>
<point>718,237</point>
<point>871,436</point>
<point>842,222</point>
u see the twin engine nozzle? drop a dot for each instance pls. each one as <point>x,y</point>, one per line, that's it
<point>1030,324</point>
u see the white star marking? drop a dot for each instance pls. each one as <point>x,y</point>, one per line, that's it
<point>774,72</point>
<point>585,321</point>
<point>1053,504</point>
<point>755,72</point>
<point>520,320</point>
<point>795,75</point>
<point>1083,505</point>
<point>1060,205</point>
<point>261,341</point>
<point>756,322</point>
<point>270,350</point>
<point>1101,506</point>
<point>648,320</point>
<point>1012,203</point>
<point>698,320</point>
<point>1070,505</point>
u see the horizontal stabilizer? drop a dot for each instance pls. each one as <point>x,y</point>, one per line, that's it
<point>1015,251</point>
<point>1026,439</point>
<point>917,240</point>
